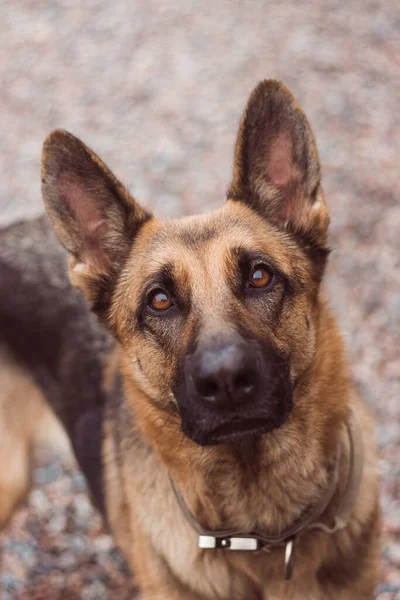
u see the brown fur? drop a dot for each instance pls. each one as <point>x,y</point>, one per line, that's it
<point>117,252</point>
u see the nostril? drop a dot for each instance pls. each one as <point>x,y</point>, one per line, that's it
<point>244,381</point>
<point>208,388</point>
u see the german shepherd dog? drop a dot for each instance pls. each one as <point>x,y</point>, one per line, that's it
<point>202,381</point>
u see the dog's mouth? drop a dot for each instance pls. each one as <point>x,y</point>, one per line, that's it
<point>232,430</point>
<point>237,429</point>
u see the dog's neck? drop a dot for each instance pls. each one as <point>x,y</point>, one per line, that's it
<point>313,518</point>
<point>257,484</point>
<point>252,484</point>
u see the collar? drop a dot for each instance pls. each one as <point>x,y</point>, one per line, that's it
<point>231,539</point>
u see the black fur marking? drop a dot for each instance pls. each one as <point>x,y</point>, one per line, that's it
<point>314,251</point>
<point>195,236</point>
<point>87,437</point>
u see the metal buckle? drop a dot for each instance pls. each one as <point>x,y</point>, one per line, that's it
<point>248,544</point>
<point>290,550</point>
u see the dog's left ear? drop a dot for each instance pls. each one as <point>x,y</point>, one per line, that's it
<point>276,166</point>
<point>94,216</point>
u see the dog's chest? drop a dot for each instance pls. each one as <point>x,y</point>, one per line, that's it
<point>212,573</point>
<point>209,573</point>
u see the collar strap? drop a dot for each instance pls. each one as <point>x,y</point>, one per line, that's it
<point>258,540</point>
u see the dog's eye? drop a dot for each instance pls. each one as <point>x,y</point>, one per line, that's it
<point>259,276</point>
<point>160,300</point>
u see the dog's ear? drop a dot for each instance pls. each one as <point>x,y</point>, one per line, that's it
<point>93,215</point>
<point>276,166</point>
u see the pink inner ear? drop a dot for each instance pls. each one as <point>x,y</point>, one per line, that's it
<point>90,223</point>
<point>280,160</point>
<point>83,206</point>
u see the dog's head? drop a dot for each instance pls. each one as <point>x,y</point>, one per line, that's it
<point>215,313</point>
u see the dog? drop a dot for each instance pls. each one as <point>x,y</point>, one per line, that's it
<point>198,371</point>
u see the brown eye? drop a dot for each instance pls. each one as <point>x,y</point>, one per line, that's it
<point>160,300</point>
<point>259,276</point>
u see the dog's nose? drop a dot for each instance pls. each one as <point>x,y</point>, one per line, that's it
<point>224,375</point>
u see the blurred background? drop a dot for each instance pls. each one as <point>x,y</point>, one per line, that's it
<point>157,89</point>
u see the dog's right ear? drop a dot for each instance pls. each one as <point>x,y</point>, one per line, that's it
<point>92,213</point>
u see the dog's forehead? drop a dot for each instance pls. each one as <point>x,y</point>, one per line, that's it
<point>211,237</point>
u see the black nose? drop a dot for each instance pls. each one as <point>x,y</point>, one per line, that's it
<point>224,373</point>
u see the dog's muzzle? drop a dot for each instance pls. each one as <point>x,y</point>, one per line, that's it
<point>232,387</point>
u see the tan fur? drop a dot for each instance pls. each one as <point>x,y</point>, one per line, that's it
<point>25,421</point>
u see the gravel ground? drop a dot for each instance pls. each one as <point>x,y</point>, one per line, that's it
<point>157,88</point>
